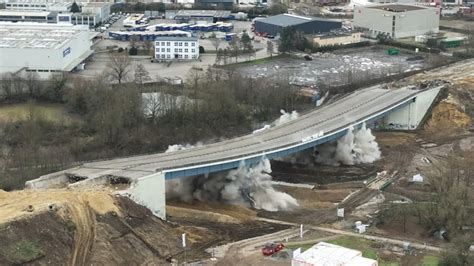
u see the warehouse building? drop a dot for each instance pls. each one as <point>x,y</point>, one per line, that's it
<point>201,16</point>
<point>332,39</point>
<point>28,16</point>
<point>308,25</point>
<point>37,5</point>
<point>330,254</point>
<point>176,48</point>
<point>396,20</point>
<point>43,48</point>
<point>92,14</point>
<point>214,4</point>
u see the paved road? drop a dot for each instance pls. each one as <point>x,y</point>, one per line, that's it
<point>354,107</point>
<point>394,241</point>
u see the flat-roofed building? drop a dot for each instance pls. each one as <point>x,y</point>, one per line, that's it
<point>330,254</point>
<point>201,16</point>
<point>102,10</point>
<point>396,20</point>
<point>176,48</point>
<point>332,39</point>
<point>37,5</point>
<point>43,48</point>
<point>308,25</point>
<point>213,4</point>
<point>28,16</point>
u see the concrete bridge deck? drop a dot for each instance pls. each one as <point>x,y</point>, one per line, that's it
<point>333,120</point>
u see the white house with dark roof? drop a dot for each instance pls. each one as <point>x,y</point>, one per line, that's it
<point>176,48</point>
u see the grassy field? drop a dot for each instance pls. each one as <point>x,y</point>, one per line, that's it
<point>430,260</point>
<point>369,250</point>
<point>22,111</point>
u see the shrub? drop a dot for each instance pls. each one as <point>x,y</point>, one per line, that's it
<point>23,252</point>
<point>133,51</point>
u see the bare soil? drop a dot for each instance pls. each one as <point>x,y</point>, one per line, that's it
<point>94,227</point>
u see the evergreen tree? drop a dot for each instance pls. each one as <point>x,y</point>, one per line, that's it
<point>75,8</point>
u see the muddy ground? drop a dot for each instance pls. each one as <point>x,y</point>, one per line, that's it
<point>342,66</point>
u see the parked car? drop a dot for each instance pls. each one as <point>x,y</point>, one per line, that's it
<point>272,248</point>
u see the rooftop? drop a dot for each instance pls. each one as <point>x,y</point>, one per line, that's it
<point>37,35</point>
<point>397,7</point>
<point>96,4</point>
<point>203,13</point>
<point>182,39</point>
<point>40,2</point>
<point>286,20</point>
<point>24,13</point>
<point>329,254</point>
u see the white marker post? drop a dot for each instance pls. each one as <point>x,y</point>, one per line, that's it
<point>301,231</point>
<point>183,243</point>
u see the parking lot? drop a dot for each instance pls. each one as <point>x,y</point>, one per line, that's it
<point>97,65</point>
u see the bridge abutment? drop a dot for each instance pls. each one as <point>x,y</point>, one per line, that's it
<point>150,191</point>
<point>410,116</point>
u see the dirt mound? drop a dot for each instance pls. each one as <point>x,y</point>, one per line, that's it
<point>18,204</point>
<point>81,227</point>
<point>447,117</point>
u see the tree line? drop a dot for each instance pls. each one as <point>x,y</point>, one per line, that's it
<point>118,120</point>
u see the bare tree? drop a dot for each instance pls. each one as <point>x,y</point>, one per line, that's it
<point>452,196</point>
<point>32,84</point>
<point>133,40</point>
<point>470,38</point>
<point>17,84</point>
<point>215,41</point>
<point>270,48</point>
<point>141,75</point>
<point>119,67</point>
<point>149,47</point>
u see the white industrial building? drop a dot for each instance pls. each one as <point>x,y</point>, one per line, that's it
<point>92,13</point>
<point>38,5</point>
<point>396,20</point>
<point>329,254</point>
<point>176,48</point>
<point>43,48</point>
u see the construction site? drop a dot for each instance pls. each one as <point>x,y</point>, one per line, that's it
<point>79,225</point>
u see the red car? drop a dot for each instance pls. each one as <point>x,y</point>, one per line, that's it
<point>272,248</point>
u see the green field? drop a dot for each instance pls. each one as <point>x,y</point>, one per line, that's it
<point>23,111</point>
<point>430,261</point>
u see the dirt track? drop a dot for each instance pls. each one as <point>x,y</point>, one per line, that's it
<point>84,219</point>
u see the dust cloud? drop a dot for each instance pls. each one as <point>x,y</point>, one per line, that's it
<point>179,147</point>
<point>357,146</point>
<point>284,118</point>
<point>248,186</point>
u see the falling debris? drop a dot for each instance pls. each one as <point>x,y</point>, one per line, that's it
<point>286,117</point>
<point>180,147</point>
<point>250,186</point>
<point>357,146</point>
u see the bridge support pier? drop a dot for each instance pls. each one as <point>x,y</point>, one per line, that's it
<point>410,116</point>
<point>150,191</point>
